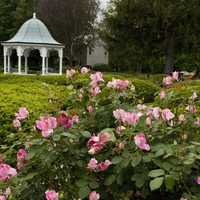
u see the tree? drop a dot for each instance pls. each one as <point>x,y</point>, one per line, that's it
<point>146,29</point>
<point>71,22</point>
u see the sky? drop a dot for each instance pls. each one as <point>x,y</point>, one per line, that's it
<point>103,3</point>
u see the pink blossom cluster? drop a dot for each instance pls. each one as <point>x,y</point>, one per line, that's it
<point>51,195</point>
<point>126,117</point>
<point>94,91</point>
<point>102,166</point>
<point>168,80</point>
<point>7,172</point>
<point>96,78</point>
<point>70,73</point>
<point>23,114</point>
<point>118,84</point>
<point>21,159</point>
<point>96,143</point>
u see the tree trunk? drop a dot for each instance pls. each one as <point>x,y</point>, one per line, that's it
<point>169,56</point>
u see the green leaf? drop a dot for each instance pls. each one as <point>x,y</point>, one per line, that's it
<point>69,135</point>
<point>140,182</point>
<point>135,177</point>
<point>156,173</point>
<point>84,192</point>
<point>174,175</point>
<point>188,161</point>
<point>30,155</point>
<point>146,159</point>
<point>86,134</point>
<point>56,137</point>
<point>156,183</point>
<point>81,183</point>
<point>166,166</point>
<point>120,179</point>
<point>29,176</point>
<point>136,160</point>
<point>93,184</point>
<point>35,141</point>
<point>116,159</point>
<point>125,162</point>
<point>169,182</point>
<point>109,180</point>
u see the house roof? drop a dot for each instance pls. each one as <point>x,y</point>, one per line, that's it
<point>33,31</point>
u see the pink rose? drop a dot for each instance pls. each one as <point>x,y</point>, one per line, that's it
<point>182,118</point>
<point>95,91</point>
<point>130,118</point>
<point>64,120</point>
<point>51,195</point>
<point>148,120</point>
<point>175,75</point>
<point>198,180</point>
<point>192,109</point>
<point>103,137</point>
<point>23,113</point>
<point>92,164</point>
<point>70,73</point>
<point>16,123</point>
<point>118,114</point>
<point>89,109</point>
<point>6,172</point>
<point>97,77</point>
<point>167,114</point>
<point>21,155</point>
<point>162,94</point>
<point>75,118</point>
<point>140,141</point>
<point>2,197</point>
<point>47,124</point>
<point>167,80</point>
<point>84,70</point>
<point>21,164</point>
<point>183,198</point>
<point>8,191</point>
<point>103,165</point>
<point>118,84</point>
<point>194,96</point>
<point>198,121</point>
<point>94,196</point>
<point>119,129</point>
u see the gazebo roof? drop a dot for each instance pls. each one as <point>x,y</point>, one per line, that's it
<point>33,31</point>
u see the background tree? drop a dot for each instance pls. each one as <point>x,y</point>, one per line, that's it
<point>148,30</point>
<point>71,22</point>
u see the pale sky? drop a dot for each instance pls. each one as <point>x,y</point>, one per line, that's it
<point>104,3</point>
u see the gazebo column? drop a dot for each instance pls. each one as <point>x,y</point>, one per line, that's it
<point>43,53</point>
<point>60,53</point>
<point>19,54</point>
<point>26,55</point>
<point>5,58</point>
<point>47,62</point>
<point>9,54</point>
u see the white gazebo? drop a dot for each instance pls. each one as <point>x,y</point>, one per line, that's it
<point>32,35</point>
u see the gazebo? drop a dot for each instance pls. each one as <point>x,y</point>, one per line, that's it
<point>32,35</point>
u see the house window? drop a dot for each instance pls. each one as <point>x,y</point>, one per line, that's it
<point>90,51</point>
<point>105,53</point>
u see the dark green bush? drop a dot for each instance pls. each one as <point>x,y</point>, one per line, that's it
<point>101,67</point>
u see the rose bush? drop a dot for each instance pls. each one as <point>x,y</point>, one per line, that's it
<point>106,144</point>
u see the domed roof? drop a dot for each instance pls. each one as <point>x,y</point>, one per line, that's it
<point>35,32</point>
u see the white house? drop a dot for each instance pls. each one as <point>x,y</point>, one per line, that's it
<point>95,55</point>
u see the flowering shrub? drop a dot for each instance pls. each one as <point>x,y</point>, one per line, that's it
<point>106,144</point>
